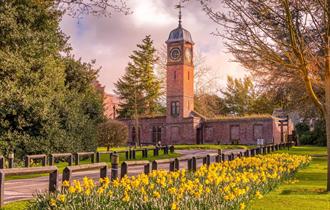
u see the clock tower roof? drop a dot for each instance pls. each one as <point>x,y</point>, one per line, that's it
<point>179,35</point>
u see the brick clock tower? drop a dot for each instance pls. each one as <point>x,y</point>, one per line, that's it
<point>180,74</point>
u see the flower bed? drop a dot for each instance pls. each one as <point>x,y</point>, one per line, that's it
<point>227,185</point>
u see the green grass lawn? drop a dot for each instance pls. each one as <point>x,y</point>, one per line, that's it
<point>308,193</point>
<point>18,205</point>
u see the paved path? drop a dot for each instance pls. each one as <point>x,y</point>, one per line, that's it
<point>22,189</point>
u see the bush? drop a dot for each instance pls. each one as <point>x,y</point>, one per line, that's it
<point>112,133</point>
<point>319,134</point>
<point>316,137</point>
<point>302,128</point>
<point>306,139</point>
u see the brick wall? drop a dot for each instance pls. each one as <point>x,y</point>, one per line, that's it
<point>245,130</point>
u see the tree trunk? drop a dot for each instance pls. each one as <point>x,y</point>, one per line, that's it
<point>327,85</point>
<point>327,120</point>
<point>108,148</point>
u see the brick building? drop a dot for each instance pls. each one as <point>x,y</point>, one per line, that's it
<point>182,125</point>
<point>110,101</point>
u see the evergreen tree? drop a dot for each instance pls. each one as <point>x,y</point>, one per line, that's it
<point>43,108</point>
<point>241,97</point>
<point>138,88</point>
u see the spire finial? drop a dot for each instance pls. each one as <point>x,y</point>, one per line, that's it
<point>179,6</point>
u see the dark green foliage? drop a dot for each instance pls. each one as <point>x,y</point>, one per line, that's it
<point>112,133</point>
<point>43,108</point>
<point>319,133</point>
<point>301,128</point>
<point>317,136</point>
<point>138,88</point>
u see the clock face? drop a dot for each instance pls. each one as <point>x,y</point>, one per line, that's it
<point>188,55</point>
<point>175,53</point>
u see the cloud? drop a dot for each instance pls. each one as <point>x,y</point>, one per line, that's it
<point>111,40</point>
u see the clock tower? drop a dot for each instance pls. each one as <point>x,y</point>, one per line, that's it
<point>180,74</point>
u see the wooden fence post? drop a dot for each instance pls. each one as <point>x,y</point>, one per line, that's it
<point>134,154</point>
<point>104,172</point>
<point>27,161</point>
<point>130,154</point>
<point>204,160</point>
<point>208,160</point>
<point>172,165</point>
<point>44,161</point>
<point>127,155</point>
<point>192,164</point>
<point>51,160</point>
<point>67,174</point>
<point>147,168</point>
<point>146,152</point>
<point>154,165</point>
<point>156,151</point>
<point>93,158</point>
<point>2,165</point>
<point>114,166</point>
<point>223,157</point>
<point>218,158</point>
<point>70,160</point>
<point>124,169</point>
<point>11,160</point>
<point>176,164</point>
<point>53,181</point>
<point>77,159</point>
<point>2,188</point>
<point>232,156</point>
<point>98,157</point>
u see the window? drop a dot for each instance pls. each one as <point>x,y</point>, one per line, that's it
<point>175,108</point>
<point>156,134</point>
<point>188,75</point>
<point>174,75</point>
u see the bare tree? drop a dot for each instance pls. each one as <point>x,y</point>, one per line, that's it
<point>78,8</point>
<point>281,41</point>
<point>112,133</point>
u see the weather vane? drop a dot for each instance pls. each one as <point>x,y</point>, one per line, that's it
<point>179,6</point>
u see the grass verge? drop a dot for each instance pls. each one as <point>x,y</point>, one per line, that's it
<point>308,193</point>
<point>18,205</point>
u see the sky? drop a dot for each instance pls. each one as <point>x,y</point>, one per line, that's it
<point>110,41</point>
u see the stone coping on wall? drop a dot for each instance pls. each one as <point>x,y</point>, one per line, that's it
<point>241,118</point>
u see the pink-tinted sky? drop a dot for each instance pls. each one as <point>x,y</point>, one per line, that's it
<point>111,40</point>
